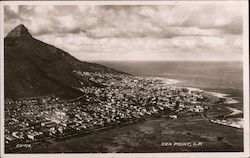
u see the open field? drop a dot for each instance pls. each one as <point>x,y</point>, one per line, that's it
<point>148,137</point>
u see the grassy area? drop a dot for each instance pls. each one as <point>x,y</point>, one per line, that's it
<point>148,136</point>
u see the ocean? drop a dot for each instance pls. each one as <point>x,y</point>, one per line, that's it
<point>221,78</point>
<point>210,75</point>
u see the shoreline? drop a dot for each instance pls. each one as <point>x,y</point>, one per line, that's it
<point>236,122</point>
<point>167,82</point>
<point>228,97</point>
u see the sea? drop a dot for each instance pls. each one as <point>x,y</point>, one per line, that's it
<point>222,78</point>
<point>211,75</point>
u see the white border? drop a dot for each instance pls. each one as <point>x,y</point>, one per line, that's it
<point>134,155</point>
<point>2,79</point>
<point>135,2</point>
<point>246,76</point>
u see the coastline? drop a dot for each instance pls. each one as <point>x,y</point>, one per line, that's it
<point>228,97</point>
<point>237,122</point>
<point>169,83</point>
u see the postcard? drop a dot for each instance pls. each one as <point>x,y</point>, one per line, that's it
<point>124,79</point>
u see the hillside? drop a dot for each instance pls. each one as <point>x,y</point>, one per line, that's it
<point>34,68</point>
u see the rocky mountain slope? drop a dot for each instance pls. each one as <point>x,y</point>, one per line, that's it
<point>34,68</point>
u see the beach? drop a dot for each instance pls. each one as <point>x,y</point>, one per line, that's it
<point>148,136</point>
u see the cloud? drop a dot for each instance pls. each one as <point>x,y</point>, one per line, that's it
<point>219,17</point>
<point>176,48</point>
<point>127,20</point>
<point>11,12</point>
<point>135,31</point>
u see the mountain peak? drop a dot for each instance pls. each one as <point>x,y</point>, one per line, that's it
<point>19,31</point>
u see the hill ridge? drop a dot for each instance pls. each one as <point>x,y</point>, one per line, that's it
<point>35,68</point>
<point>19,31</point>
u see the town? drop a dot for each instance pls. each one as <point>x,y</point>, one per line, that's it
<point>122,99</point>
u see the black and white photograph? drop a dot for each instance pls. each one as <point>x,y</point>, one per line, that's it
<point>97,77</point>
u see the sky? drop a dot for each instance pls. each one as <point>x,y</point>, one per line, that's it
<point>135,32</point>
